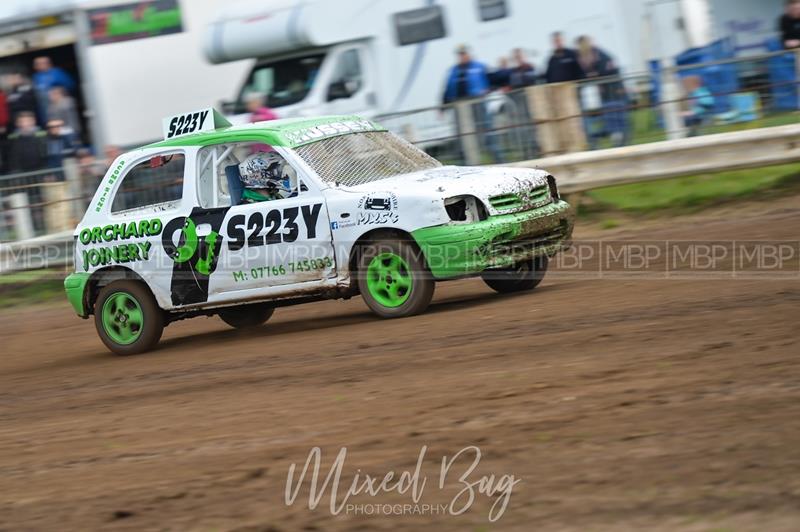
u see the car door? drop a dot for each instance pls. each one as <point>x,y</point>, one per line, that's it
<point>274,244</point>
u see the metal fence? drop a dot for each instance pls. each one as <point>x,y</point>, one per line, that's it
<point>665,103</point>
<point>47,201</point>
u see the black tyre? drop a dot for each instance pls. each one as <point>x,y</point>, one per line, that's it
<point>523,276</point>
<point>247,316</point>
<point>127,318</point>
<point>394,279</point>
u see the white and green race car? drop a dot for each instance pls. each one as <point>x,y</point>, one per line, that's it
<point>173,232</point>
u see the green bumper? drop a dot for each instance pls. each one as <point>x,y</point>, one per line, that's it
<point>459,250</point>
<point>75,286</point>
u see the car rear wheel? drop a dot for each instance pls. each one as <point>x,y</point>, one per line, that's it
<point>394,280</point>
<point>519,278</point>
<point>246,317</point>
<point>127,318</point>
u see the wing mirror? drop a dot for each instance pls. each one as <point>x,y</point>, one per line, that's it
<point>339,90</point>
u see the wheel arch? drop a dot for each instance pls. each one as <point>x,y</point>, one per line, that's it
<point>384,233</point>
<point>105,276</point>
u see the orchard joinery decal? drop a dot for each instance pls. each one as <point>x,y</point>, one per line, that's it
<point>126,236</point>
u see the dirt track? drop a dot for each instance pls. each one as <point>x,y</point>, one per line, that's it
<point>621,404</point>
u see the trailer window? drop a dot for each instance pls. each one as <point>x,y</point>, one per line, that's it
<point>492,9</point>
<point>281,83</point>
<point>420,25</point>
<point>156,181</point>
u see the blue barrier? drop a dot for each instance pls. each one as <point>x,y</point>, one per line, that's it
<point>782,77</point>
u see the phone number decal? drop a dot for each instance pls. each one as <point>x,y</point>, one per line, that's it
<point>268,272</point>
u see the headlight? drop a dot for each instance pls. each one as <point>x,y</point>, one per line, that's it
<point>465,209</point>
<point>551,183</point>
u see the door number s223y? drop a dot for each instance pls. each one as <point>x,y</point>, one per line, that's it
<point>282,225</point>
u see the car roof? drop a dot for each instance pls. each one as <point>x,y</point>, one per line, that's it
<point>283,132</point>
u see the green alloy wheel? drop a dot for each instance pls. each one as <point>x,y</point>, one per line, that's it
<point>389,280</point>
<point>394,280</point>
<point>122,318</point>
<point>127,318</point>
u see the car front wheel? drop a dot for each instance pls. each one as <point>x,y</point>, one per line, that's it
<point>394,279</point>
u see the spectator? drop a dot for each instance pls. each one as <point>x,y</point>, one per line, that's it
<point>111,153</point>
<point>789,25</point>
<point>91,172</point>
<point>700,104</point>
<point>4,116</point>
<point>27,145</point>
<point>60,143</point>
<point>21,98</point>
<point>468,79</point>
<point>523,74</point>
<point>62,108</point>
<point>3,113</point>
<point>608,118</point>
<point>563,64</point>
<point>501,78</point>
<point>45,78</point>
<point>256,106</point>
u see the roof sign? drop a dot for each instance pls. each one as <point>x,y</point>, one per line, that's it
<point>195,122</point>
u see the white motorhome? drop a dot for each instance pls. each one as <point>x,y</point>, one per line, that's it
<point>318,57</point>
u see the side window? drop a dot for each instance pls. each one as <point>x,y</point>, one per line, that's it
<point>155,181</point>
<point>420,25</point>
<point>347,77</point>
<point>271,177</point>
<point>492,9</point>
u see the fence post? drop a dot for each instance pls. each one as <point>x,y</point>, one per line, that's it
<point>570,114</point>
<point>468,133</point>
<point>72,177</point>
<point>542,114</point>
<point>21,214</point>
<point>556,110</point>
<point>671,108</point>
<point>57,214</point>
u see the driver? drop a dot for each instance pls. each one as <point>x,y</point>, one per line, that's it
<point>264,178</point>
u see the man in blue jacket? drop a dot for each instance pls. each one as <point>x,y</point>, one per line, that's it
<point>467,80</point>
<point>46,77</point>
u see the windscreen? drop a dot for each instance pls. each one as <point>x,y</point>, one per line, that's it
<point>359,158</point>
<point>283,82</point>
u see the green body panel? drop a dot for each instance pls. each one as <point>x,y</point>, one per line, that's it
<point>458,250</point>
<point>274,133</point>
<point>75,286</point>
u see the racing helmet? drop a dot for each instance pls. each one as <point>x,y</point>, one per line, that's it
<point>264,171</point>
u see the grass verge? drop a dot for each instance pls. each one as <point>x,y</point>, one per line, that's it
<point>690,194</point>
<point>25,288</point>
